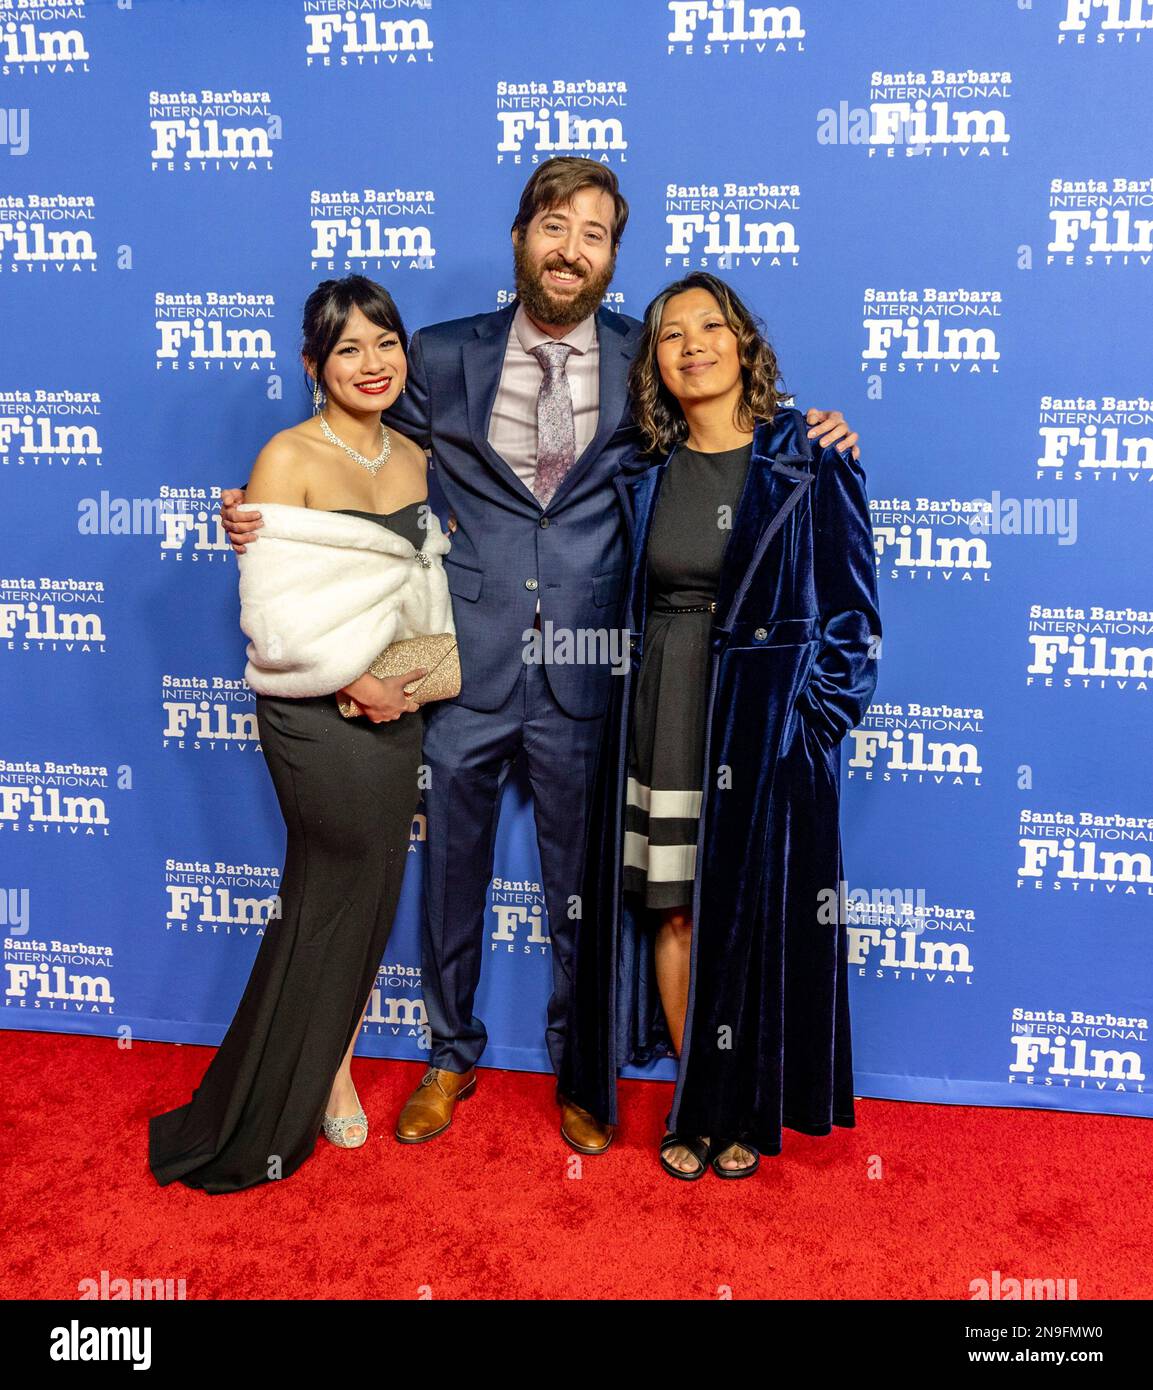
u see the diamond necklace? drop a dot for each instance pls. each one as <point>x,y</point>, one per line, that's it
<point>373,465</point>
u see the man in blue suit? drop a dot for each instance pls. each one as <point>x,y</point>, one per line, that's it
<point>527,415</point>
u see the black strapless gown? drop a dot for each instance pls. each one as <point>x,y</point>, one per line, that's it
<point>348,792</point>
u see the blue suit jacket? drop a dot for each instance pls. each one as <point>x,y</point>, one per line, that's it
<point>507,551</point>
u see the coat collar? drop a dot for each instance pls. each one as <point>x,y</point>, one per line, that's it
<point>484,361</point>
<point>780,471</point>
<point>617,346</point>
<point>483,357</point>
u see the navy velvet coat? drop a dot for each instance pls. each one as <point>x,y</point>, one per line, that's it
<point>793,669</point>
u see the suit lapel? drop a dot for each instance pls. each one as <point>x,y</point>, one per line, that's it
<point>641,492</point>
<point>777,479</point>
<point>615,353</point>
<point>645,489</point>
<point>483,362</point>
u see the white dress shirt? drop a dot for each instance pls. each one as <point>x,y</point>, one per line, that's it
<point>512,430</point>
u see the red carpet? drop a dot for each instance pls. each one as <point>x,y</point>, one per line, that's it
<point>490,1210</point>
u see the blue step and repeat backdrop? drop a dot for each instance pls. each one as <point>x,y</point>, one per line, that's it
<point>943,212</point>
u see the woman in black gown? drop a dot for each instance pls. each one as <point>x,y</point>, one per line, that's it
<point>347,787</point>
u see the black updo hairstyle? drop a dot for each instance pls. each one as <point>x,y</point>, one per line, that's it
<point>326,312</point>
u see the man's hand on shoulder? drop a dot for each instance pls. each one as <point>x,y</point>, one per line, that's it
<point>831,427</point>
<point>241,526</point>
<point>277,475</point>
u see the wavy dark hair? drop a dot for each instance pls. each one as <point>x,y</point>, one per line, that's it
<point>656,409</point>
<point>326,312</point>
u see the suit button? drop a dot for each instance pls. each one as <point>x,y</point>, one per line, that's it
<point>544,521</point>
<point>761,633</point>
<point>530,583</point>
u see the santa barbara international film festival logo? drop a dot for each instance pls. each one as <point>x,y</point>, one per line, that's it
<point>59,977</point>
<point>1100,222</point>
<point>63,614</point>
<point>45,797</point>
<point>1104,21</point>
<point>208,713</point>
<point>925,114</point>
<point>395,1006</point>
<point>930,539</point>
<point>189,525</point>
<point>367,33</point>
<point>214,898</point>
<point>895,934</point>
<point>718,28</point>
<point>1085,852</point>
<point>1076,1049</point>
<point>538,120</point>
<point>521,920</point>
<point>1101,438</point>
<point>913,743</point>
<point>723,225</point>
<point>42,39</point>
<point>372,229</point>
<point>50,429</point>
<point>1089,648</point>
<point>47,233</point>
<point>214,331</point>
<point>931,330</point>
<point>212,132</point>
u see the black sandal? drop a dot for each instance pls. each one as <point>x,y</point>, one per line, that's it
<point>697,1147</point>
<point>720,1146</point>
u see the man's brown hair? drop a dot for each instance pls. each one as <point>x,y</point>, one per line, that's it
<point>556,182</point>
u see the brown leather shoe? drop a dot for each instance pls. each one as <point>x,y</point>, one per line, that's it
<point>428,1111</point>
<point>581,1130</point>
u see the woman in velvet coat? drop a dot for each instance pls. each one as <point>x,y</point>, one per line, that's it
<point>755,1004</point>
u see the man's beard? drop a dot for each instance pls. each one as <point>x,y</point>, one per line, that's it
<point>548,308</point>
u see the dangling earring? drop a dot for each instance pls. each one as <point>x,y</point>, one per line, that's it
<point>317,398</point>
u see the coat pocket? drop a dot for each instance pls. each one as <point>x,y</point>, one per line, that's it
<point>816,726</point>
<point>781,632</point>
<point>463,582</point>
<point>755,717</point>
<point>607,589</point>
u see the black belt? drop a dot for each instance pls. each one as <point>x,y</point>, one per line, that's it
<point>695,608</point>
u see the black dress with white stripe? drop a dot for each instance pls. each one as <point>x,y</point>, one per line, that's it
<point>690,530</point>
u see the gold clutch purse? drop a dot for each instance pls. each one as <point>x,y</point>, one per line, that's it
<point>436,652</point>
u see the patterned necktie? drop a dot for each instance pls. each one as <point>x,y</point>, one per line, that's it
<point>556,434</point>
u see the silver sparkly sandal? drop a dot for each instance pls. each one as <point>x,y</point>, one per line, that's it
<point>336,1127</point>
